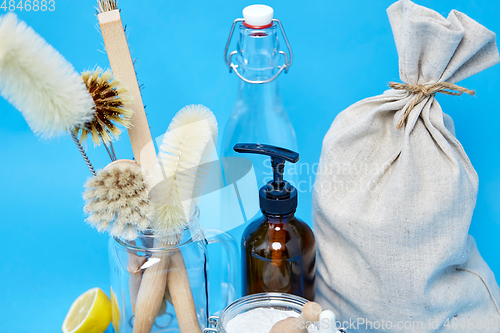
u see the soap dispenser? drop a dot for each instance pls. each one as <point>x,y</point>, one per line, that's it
<point>278,250</point>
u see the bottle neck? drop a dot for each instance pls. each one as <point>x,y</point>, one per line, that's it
<point>258,56</point>
<point>278,219</point>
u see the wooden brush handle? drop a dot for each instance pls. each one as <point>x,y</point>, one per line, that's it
<point>182,297</point>
<point>123,69</point>
<point>151,293</point>
<point>134,261</point>
<point>135,276</point>
<point>153,284</point>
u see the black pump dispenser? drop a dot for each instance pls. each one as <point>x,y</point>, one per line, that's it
<point>277,197</point>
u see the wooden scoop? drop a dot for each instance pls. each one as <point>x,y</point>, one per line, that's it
<point>310,313</point>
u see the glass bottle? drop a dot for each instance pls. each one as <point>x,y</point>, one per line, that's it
<point>278,250</point>
<point>280,256</point>
<point>258,115</point>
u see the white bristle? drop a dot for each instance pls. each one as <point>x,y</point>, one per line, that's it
<point>184,158</point>
<point>39,82</point>
<point>117,200</point>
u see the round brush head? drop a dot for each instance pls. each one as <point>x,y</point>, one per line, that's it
<point>117,200</point>
<point>111,100</point>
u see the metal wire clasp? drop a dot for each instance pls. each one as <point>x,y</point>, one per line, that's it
<point>234,67</point>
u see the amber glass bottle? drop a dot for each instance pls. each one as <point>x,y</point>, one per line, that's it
<point>278,250</point>
<point>279,254</point>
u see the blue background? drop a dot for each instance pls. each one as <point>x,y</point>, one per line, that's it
<point>343,52</point>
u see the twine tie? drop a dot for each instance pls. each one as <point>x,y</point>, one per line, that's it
<point>422,91</point>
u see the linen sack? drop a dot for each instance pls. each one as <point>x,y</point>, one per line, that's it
<point>392,207</point>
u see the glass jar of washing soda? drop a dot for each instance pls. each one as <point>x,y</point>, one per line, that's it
<point>259,313</point>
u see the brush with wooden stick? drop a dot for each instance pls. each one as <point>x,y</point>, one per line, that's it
<point>39,82</point>
<point>178,180</point>
<point>111,111</point>
<point>46,89</point>
<point>122,66</point>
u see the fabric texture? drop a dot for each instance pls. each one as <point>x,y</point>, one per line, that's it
<point>392,207</point>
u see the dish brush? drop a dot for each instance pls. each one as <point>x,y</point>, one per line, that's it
<point>39,82</point>
<point>117,200</point>
<point>122,65</point>
<point>176,186</point>
<point>111,100</point>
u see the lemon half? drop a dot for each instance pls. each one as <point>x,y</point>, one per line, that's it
<point>89,313</point>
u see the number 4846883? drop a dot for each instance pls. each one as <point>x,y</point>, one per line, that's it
<point>29,5</point>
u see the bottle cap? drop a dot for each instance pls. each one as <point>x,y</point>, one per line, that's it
<point>277,197</point>
<point>258,16</point>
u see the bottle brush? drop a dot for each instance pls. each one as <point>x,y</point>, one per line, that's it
<point>39,82</point>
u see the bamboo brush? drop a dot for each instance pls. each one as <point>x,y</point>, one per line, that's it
<point>110,99</point>
<point>117,200</point>
<point>180,175</point>
<point>122,66</point>
<point>178,180</point>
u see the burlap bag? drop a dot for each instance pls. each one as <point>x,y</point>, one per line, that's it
<point>392,207</point>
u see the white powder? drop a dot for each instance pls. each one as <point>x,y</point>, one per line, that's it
<point>259,320</point>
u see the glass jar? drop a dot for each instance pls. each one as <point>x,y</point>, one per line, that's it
<point>278,301</point>
<point>131,260</point>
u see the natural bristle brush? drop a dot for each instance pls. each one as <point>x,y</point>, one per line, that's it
<point>117,200</point>
<point>112,103</point>
<point>177,183</point>
<point>185,153</point>
<point>39,82</point>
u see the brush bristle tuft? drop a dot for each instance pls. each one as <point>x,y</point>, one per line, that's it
<point>117,201</point>
<point>106,5</point>
<point>39,82</point>
<point>111,100</point>
<point>179,177</point>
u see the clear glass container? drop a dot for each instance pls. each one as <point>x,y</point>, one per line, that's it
<point>129,261</point>
<point>278,301</point>
<point>258,114</point>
